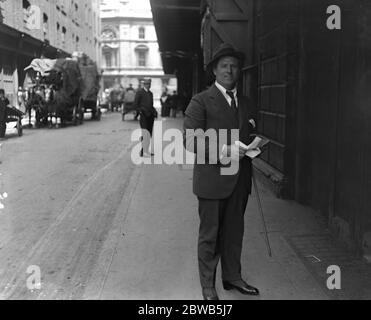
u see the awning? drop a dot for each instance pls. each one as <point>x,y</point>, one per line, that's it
<point>177,24</point>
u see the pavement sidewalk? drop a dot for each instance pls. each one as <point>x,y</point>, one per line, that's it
<point>152,251</point>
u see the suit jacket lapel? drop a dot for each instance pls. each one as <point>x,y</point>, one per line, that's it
<point>219,98</point>
<point>221,103</point>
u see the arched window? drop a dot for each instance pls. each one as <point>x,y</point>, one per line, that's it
<point>64,31</point>
<point>142,58</point>
<point>142,33</point>
<point>110,56</point>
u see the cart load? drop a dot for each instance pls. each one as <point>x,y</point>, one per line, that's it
<point>90,87</point>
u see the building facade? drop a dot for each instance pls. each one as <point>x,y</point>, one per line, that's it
<point>129,45</point>
<point>51,28</point>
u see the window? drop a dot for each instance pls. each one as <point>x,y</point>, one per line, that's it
<point>45,25</point>
<point>26,4</point>
<point>142,54</point>
<point>108,58</point>
<point>64,31</point>
<point>142,33</point>
<point>142,58</point>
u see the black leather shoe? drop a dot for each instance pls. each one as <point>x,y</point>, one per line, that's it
<point>244,288</point>
<point>209,294</point>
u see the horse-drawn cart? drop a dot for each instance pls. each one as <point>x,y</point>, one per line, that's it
<point>55,91</point>
<point>72,88</point>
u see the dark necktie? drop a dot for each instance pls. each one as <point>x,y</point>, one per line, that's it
<point>233,104</point>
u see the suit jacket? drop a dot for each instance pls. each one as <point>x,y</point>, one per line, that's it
<point>210,110</point>
<point>3,114</point>
<point>144,102</point>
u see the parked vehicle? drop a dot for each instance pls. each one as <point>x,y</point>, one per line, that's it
<point>63,78</point>
<point>73,86</point>
<point>89,100</point>
<point>116,98</point>
<point>128,105</point>
<point>13,115</point>
<point>9,114</point>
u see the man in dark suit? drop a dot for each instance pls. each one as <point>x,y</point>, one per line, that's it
<point>4,102</point>
<point>144,104</point>
<point>222,198</point>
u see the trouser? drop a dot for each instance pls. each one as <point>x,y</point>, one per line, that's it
<point>220,236</point>
<point>2,129</point>
<point>146,123</point>
<point>2,121</point>
<point>173,112</point>
<point>136,115</point>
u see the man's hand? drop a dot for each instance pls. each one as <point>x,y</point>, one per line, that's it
<point>234,152</point>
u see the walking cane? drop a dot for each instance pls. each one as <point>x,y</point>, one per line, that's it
<point>261,213</point>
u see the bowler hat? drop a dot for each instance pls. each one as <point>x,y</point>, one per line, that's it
<point>224,50</point>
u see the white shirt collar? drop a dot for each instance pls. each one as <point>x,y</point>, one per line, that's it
<point>224,92</point>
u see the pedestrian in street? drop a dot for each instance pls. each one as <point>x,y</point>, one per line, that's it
<point>174,99</point>
<point>144,104</point>
<point>4,102</point>
<point>21,99</point>
<point>105,101</point>
<point>116,97</point>
<point>140,87</point>
<point>129,101</point>
<point>184,100</point>
<point>165,112</point>
<point>222,199</point>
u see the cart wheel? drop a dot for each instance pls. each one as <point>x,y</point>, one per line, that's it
<point>99,114</point>
<point>82,116</point>
<point>80,111</point>
<point>19,128</point>
<point>74,116</point>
